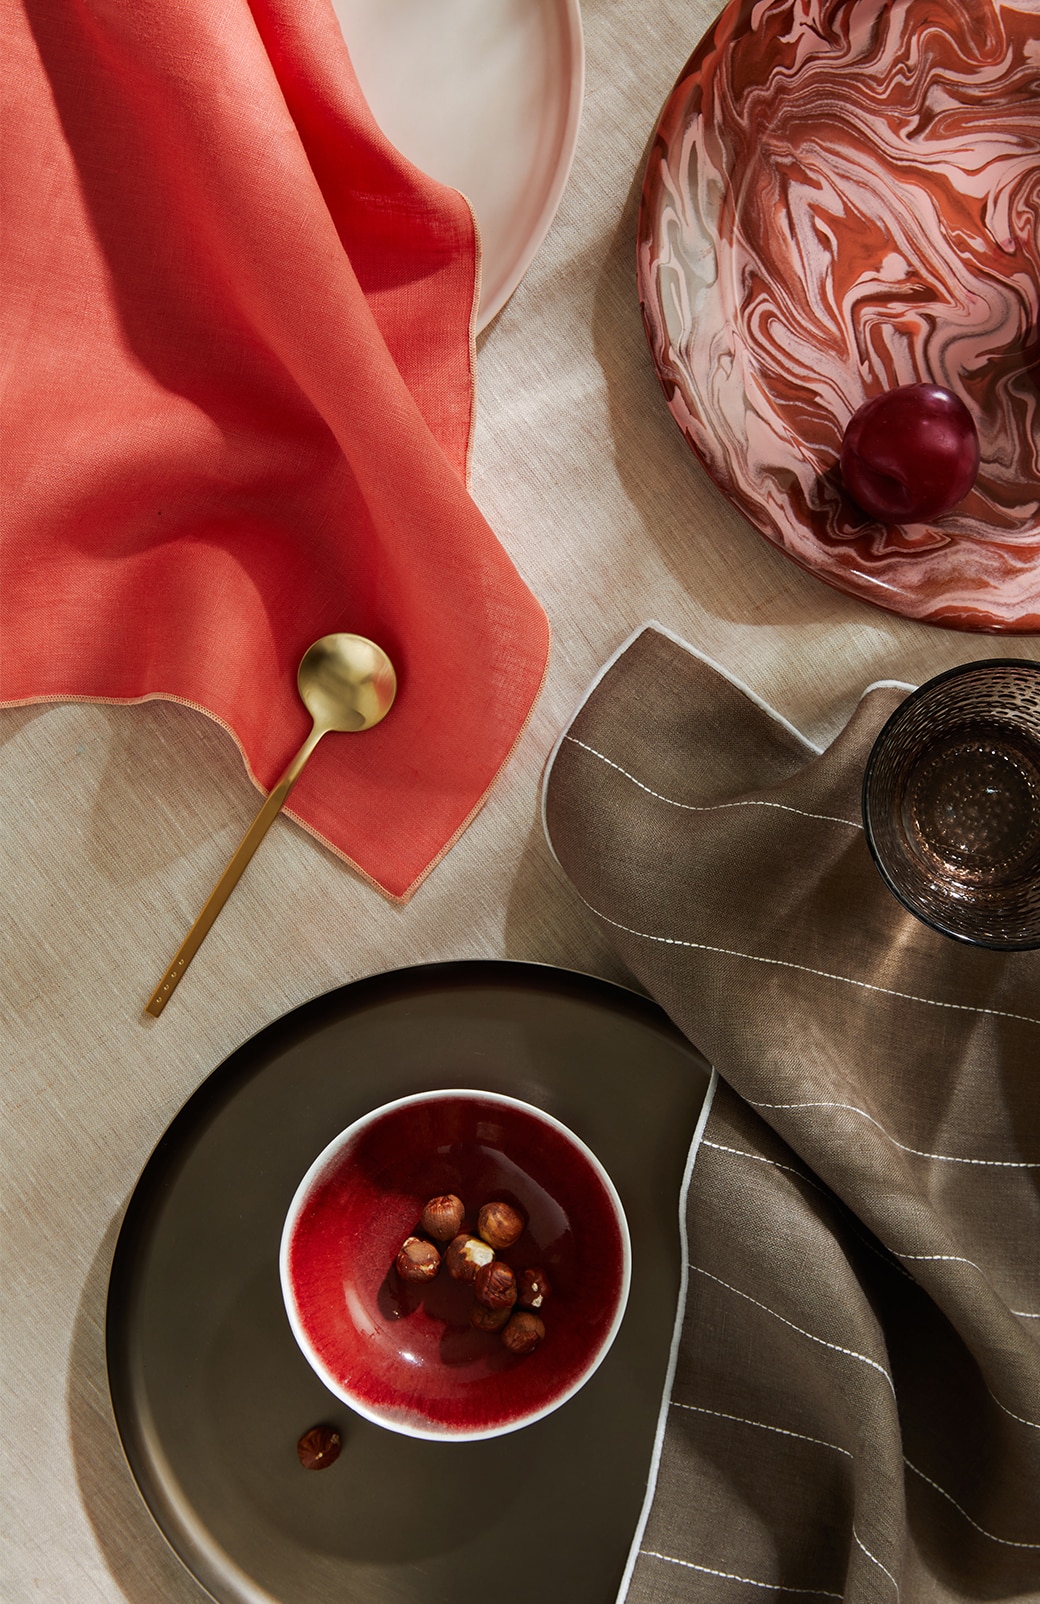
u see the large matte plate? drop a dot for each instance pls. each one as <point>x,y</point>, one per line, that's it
<point>841,197</point>
<point>211,1392</point>
<point>486,96</point>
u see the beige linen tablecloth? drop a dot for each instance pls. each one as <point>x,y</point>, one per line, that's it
<point>117,820</point>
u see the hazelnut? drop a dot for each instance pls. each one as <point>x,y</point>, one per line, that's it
<point>523,1332</point>
<point>442,1217</point>
<point>485,1319</point>
<point>532,1288</point>
<point>318,1447</point>
<point>418,1260</point>
<point>495,1285</point>
<point>499,1224</point>
<point>465,1255</point>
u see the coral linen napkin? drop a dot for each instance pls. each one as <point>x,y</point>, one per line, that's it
<point>855,1406</point>
<point>238,409</point>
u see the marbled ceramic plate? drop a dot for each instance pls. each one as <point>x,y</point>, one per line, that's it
<point>841,198</point>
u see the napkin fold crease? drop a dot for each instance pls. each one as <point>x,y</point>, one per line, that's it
<point>238,405</point>
<point>855,1407</point>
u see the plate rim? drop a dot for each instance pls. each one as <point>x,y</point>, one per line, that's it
<point>568,149</point>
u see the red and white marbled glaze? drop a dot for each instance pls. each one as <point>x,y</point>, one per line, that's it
<point>843,196</point>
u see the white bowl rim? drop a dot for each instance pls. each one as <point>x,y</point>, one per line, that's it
<point>332,1150</point>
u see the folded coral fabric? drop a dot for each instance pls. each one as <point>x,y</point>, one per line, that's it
<point>238,402</point>
<point>855,1407</point>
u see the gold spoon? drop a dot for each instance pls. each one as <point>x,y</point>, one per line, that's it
<point>347,684</point>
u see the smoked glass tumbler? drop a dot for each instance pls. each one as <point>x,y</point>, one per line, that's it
<point>951,803</point>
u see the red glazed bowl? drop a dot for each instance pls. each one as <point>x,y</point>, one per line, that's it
<point>405,1355</point>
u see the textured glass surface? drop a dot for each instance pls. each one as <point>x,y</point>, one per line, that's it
<point>951,803</point>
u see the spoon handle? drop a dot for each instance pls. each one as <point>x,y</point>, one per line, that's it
<point>230,878</point>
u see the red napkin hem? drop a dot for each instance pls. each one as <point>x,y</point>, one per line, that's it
<point>399,898</point>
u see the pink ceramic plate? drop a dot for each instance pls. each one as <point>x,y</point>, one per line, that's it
<point>406,1356</point>
<point>842,198</point>
<point>485,97</point>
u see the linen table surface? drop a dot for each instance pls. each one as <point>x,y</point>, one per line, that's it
<point>118,819</point>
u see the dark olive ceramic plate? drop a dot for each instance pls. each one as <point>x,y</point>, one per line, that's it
<point>211,1392</point>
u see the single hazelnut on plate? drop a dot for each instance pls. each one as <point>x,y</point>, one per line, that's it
<point>485,1319</point>
<point>442,1217</point>
<point>523,1332</point>
<point>418,1260</point>
<point>465,1255</point>
<point>499,1224</point>
<point>495,1285</point>
<point>532,1288</point>
<point>318,1447</point>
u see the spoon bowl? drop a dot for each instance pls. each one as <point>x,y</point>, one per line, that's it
<point>346,683</point>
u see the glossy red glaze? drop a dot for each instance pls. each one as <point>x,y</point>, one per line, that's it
<point>406,1354</point>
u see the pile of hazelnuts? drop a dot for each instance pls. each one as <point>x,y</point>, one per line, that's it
<point>503,1300</point>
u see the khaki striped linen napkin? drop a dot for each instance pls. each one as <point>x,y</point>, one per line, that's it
<point>854,1408</point>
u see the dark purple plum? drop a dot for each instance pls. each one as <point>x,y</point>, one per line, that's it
<point>910,454</point>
